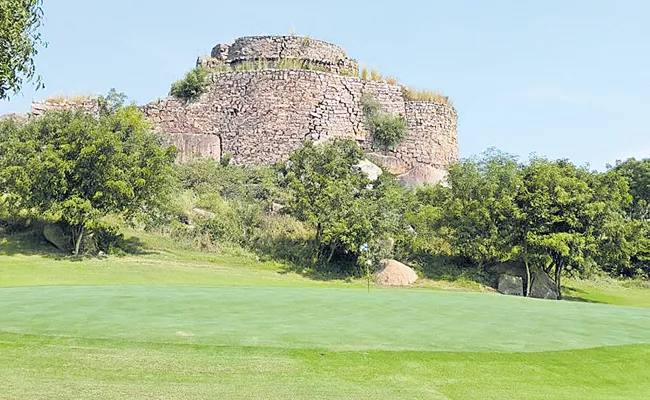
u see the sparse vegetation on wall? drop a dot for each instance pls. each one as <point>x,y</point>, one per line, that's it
<point>425,95</point>
<point>283,63</point>
<point>192,85</point>
<point>387,130</point>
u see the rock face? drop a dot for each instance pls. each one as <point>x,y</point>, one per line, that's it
<point>511,285</point>
<point>392,165</point>
<point>57,237</point>
<point>394,273</point>
<point>88,105</point>
<point>543,287</point>
<point>192,145</point>
<point>423,174</point>
<point>16,117</point>
<point>372,171</point>
<point>261,116</point>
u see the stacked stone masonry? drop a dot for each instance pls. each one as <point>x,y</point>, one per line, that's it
<point>88,105</point>
<point>274,48</point>
<point>262,116</point>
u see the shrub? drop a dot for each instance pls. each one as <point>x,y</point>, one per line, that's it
<point>192,85</point>
<point>226,158</point>
<point>391,81</point>
<point>387,130</point>
<point>252,65</point>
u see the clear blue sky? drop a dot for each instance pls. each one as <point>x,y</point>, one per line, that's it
<point>561,78</point>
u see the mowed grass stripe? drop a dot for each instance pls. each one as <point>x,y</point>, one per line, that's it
<point>45,367</point>
<point>320,318</point>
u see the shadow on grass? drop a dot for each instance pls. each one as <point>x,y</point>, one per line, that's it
<point>30,241</point>
<point>297,256</point>
<point>452,269</point>
<point>574,294</point>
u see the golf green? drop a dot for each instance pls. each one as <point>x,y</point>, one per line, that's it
<point>320,318</point>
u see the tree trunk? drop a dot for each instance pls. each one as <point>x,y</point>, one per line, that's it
<point>332,249</point>
<point>558,280</point>
<point>79,234</point>
<point>528,280</point>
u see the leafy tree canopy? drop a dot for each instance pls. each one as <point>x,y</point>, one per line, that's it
<point>75,168</point>
<point>338,200</point>
<point>20,40</point>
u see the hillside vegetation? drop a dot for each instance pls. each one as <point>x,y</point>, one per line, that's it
<point>92,177</point>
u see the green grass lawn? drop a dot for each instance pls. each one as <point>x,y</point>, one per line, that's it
<point>178,324</point>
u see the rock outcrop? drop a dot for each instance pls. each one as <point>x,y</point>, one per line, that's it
<point>262,115</point>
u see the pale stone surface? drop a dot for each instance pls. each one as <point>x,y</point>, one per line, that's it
<point>511,285</point>
<point>390,164</point>
<point>191,145</point>
<point>372,171</point>
<point>89,105</point>
<point>262,116</point>
<point>394,273</point>
<point>543,287</point>
<point>423,174</point>
<point>20,118</point>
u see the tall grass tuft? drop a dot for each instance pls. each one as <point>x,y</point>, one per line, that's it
<point>364,73</point>
<point>75,98</point>
<point>426,95</point>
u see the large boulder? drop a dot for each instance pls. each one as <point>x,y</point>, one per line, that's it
<point>423,174</point>
<point>372,171</point>
<point>394,273</point>
<point>543,287</point>
<point>511,285</point>
<point>57,237</point>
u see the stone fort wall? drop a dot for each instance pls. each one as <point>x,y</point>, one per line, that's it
<point>273,48</point>
<point>262,116</point>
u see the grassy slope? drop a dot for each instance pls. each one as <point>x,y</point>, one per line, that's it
<point>239,335</point>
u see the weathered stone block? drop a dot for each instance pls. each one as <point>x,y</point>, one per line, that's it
<point>511,285</point>
<point>543,287</point>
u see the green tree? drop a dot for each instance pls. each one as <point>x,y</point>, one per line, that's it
<point>637,173</point>
<point>335,197</point>
<point>567,216</point>
<point>20,40</point>
<point>192,85</point>
<point>477,214</point>
<point>550,215</point>
<point>75,168</point>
